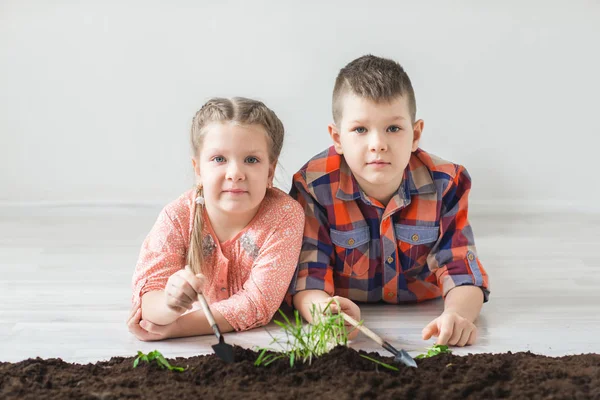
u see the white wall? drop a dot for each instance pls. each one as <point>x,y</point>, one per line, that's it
<point>96,97</point>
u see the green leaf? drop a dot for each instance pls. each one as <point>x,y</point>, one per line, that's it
<point>388,366</point>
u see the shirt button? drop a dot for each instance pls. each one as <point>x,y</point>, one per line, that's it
<point>350,241</point>
<point>223,289</point>
<point>390,259</point>
<point>415,237</point>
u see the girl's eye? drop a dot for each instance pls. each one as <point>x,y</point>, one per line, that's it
<point>360,129</point>
<point>219,159</point>
<point>393,128</point>
<point>251,160</point>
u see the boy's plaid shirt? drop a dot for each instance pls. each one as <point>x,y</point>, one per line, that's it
<point>417,248</point>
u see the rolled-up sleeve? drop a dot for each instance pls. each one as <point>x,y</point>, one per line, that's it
<point>454,258</point>
<point>162,254</point>
<point>315,266</point>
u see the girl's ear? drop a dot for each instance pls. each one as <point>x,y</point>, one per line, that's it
<point>272,173</point>
<point>196,166</point>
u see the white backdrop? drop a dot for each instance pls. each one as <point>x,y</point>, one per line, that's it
<point>96,97</point>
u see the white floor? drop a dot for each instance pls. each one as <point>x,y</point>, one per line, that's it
<point>65,276</point>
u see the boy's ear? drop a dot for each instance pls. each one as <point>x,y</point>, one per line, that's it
<point>335,137</point>
<point>417,131</point>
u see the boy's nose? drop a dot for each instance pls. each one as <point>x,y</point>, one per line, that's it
<point>377,143</point>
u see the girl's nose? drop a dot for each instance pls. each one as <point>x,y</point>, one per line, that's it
<point>234,172</point>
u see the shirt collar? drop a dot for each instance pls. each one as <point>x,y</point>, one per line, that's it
<point>417,180</point>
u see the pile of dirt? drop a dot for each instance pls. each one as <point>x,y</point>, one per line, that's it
<point>341,374</point>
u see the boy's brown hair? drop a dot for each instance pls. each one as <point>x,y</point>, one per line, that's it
<point>374,78</point>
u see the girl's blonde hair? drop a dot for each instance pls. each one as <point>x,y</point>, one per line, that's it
<point>237,110</point>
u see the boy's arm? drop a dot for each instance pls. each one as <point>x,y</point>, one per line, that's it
<point>459,273</point>
<point>314,284</point>
<point>466,301</point>
<point>454,259</point>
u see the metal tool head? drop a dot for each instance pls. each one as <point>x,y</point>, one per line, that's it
<point>405,358</point>
<point>223,350</point>
<point>400,356</point>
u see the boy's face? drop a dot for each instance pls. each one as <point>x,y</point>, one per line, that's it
<point>376,140</point>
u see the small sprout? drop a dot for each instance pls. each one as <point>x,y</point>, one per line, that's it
<point>435,350</point>
<point>449,365</point>
<point>303,342</point>
<point>388,366</point>
<point>158,357</point>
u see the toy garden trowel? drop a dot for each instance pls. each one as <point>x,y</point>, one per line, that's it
<point>223,350</point>
<point>399,355</point>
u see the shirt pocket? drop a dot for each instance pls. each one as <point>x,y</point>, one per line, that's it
<point>352,249</point>
<point>415,242</point>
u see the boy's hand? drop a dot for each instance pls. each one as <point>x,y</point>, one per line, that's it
<point>348,307</point>
<point>182,290</point>
<point>452,329</point>
<point>146,331</point>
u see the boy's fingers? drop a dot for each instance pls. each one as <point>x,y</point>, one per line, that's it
<point>456,335</point>
<point>464,338</point>
<point>430,330</point>
<point>445,332</point>
<point>472,337</point>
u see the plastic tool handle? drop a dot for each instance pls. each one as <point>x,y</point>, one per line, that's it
<point>363,329</point>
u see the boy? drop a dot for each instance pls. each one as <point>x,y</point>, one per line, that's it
<point>386,221</point>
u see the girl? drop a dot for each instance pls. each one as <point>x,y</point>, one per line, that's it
<point>239,237</point>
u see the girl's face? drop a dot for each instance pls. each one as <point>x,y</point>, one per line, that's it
<point>233,167</point>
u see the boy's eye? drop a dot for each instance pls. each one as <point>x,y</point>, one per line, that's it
<point>251,160</point>
<point>393,128</point>
<point>360,129</point>
<point>219,159</point>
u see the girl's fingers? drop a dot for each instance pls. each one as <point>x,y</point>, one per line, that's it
<point>134,310</point>
<point>181,289</point>
<point>135,318</point>
<point>175,302</point>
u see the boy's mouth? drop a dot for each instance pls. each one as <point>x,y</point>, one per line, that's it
<point>378,162</point>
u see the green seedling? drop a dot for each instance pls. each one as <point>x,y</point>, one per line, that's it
<point>388,366</point>
<point>158,357</point>
<point>435,350</point>
<point>303,342</point>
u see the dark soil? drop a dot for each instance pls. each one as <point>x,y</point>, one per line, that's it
<point>342,374</point>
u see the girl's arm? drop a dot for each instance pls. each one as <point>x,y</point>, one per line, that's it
<point>271,273</point>
<point>162,255</point>
<point>155,310</point>
<point>196,323</point>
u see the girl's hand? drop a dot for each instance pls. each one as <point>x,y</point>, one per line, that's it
<point>451,328</point>
<point>146,331</point>
<point>182,290</point>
